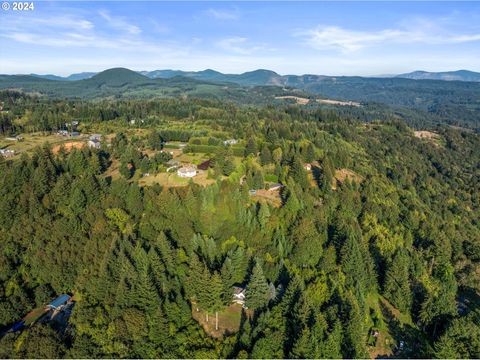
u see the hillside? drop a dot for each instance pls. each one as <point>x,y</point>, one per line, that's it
<point>341,238</point>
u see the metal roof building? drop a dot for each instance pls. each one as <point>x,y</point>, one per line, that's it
<point>59,301</point>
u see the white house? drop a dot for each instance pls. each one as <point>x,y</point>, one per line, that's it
<point>238,295</point>
<point>187,171</point>
<point>94,144</point>
<point>230,142</point>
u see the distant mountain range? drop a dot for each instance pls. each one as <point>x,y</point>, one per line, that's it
<point>456,102</point>
<point>459,75</point>
<point>72,77</point>
<point>268,77</point>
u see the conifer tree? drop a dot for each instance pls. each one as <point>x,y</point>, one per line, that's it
<point>397,282</point>
<point>251,148</point>
<point>257,291</point>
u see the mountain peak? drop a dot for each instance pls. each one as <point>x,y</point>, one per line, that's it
<point>117,77</point>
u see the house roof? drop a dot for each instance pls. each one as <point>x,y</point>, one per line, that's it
<point>237,290</point>
<point>62,299</point>
<point>205,165</point>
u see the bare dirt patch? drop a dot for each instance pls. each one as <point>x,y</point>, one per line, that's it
<point>68,146</point>
<point>299,100</point>
<point>426,134</point>
<point>338,102</point>
<point>434,138</point>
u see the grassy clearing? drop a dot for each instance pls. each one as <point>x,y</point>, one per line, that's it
<point>393,326</point>
<point>271,197</point>
<point>171,179</point>
<point>228,321</point>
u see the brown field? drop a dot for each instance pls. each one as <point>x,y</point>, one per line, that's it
<point>426,134</point>
<point>228,321</point>
<point>68,146</point>
<point>338,102</point>
<point>299,100</point>
<point>341,175</point>
<point>434,138</point>
<point>272,197</point>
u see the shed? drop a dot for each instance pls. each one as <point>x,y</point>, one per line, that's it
<point>59,301</point>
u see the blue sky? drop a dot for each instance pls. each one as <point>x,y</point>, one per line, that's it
<point>331,38</point>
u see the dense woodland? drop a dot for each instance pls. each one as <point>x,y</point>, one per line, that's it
<point>320,271</point>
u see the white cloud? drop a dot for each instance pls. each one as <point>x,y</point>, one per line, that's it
<point>119,23</point>
<point>238,45</point>
<point>346,40</point>
<point>223,14</point>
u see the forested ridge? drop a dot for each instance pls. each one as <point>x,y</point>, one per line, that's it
<point>390,251</point>
<point>455,103</point>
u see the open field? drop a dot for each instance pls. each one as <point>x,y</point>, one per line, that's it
<point>426,134</point>
<point>228,321</point>
<point>271,197</point>
<point>430,136</point>
<point>338,102</point>
<point>30,141</point>
<point>171,179</point>
<point>299,100</point>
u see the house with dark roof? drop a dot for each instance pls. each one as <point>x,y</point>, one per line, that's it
<point>205,165</point>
